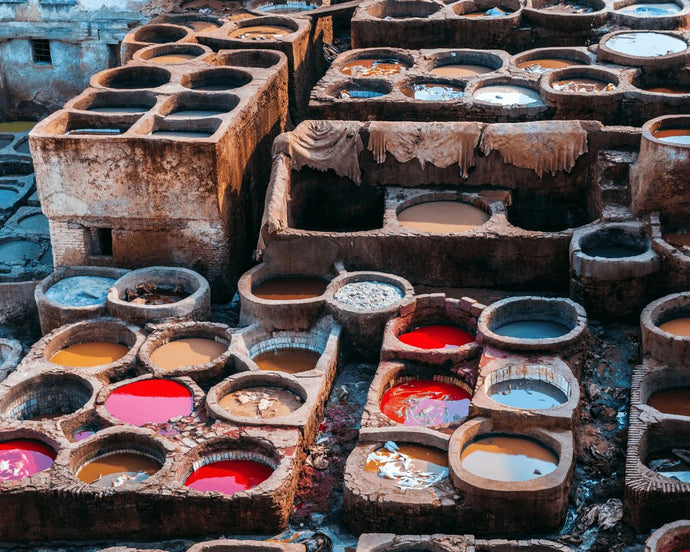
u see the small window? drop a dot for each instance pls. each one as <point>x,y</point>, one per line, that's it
<point>102,242</point>
<point>40,49</point>
<point>114,55</point>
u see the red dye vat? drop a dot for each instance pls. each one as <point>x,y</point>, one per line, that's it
<point>24,457</point>
<point>426,403</point>
<point>152,401</point>
<point>438,336</point>
<point>229,476</point>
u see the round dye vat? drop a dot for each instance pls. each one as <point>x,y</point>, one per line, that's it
<point>460,70</point>
<point>527,393</point>
<point>200,25</point>
<point>369,295</point>
<point>437,336</point>
<point>612,251</point>
<point>426,403</point>
<point>646,44</point>
<point>195,113</point>
<point>37,222</point>
<point>671,401</point>
<point>148,294</point>
<point>152,401</point>
<point>678,136</point>
<point>433,92</point>
<point>677,326</point>
<point>19,251</point>
<point>80,291</point>
<point>261,32</point>
<point>261,402</point>
<point>189,351</point>
<point>668,89</point>
<point>532,329</point>
<point>407,466</point>
<point>17,126</point>
<point>508,458</point>
<point>292,360</point>
<point>118,470</point>
<point>21,458</point>
<point>672,464</point>
<point>229,476</point>
<point>290,289</point>
<point>373,67</point>
<point>172,58</point>
<point>442,217</point>
<point>583,86</point>
<point>568,7</point>
<point>89,353</point>
<point>651,10</point>
<point>491,12</point>
<point>543,65</point>
<point>501,94</point>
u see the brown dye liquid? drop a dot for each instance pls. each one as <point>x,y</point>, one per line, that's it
<point>679,326</point>
<point>508,459</point>
<point>546,64</point>
<point>669,89</point>
<point>677,239</point>
<point>261,32</point>
<point>423,460</point>
<point>261,402</point>
<point>91,353</point>
<point>120,469</point>
<point>200,25</point>
<point>442,217</point>
<point>290,360</point>
<point>172,58</point>
<point>373,67</point>
<point>190,351</point>
<point>671,401</point>
<point>290,289</point>
<point>583,85</point>
<point>460,70</point>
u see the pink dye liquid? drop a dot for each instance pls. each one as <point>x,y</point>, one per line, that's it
<point>21,458</point>
<point>151,401</point>
<point>229,476</point>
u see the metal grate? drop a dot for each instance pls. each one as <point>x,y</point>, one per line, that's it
<point>40,49</point>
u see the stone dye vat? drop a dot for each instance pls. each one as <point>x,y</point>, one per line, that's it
<point>614,271</point>
<point>104,218</point>
<point>351,213</point>
<point>74,293</point>
<point>494,24</point>
<point>664,338</point>
<point>489,86</point>
<point>200,350</point>
<point>671,537</point>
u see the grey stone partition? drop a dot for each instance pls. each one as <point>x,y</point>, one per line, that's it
<point>192,183</point>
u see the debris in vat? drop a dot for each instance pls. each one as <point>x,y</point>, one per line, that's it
<point>150,294</point>
<point>496,12</point>
<point>398,466</point>
<point>368,295</point>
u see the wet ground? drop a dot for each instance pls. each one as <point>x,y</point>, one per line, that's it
<point>594,516</point>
